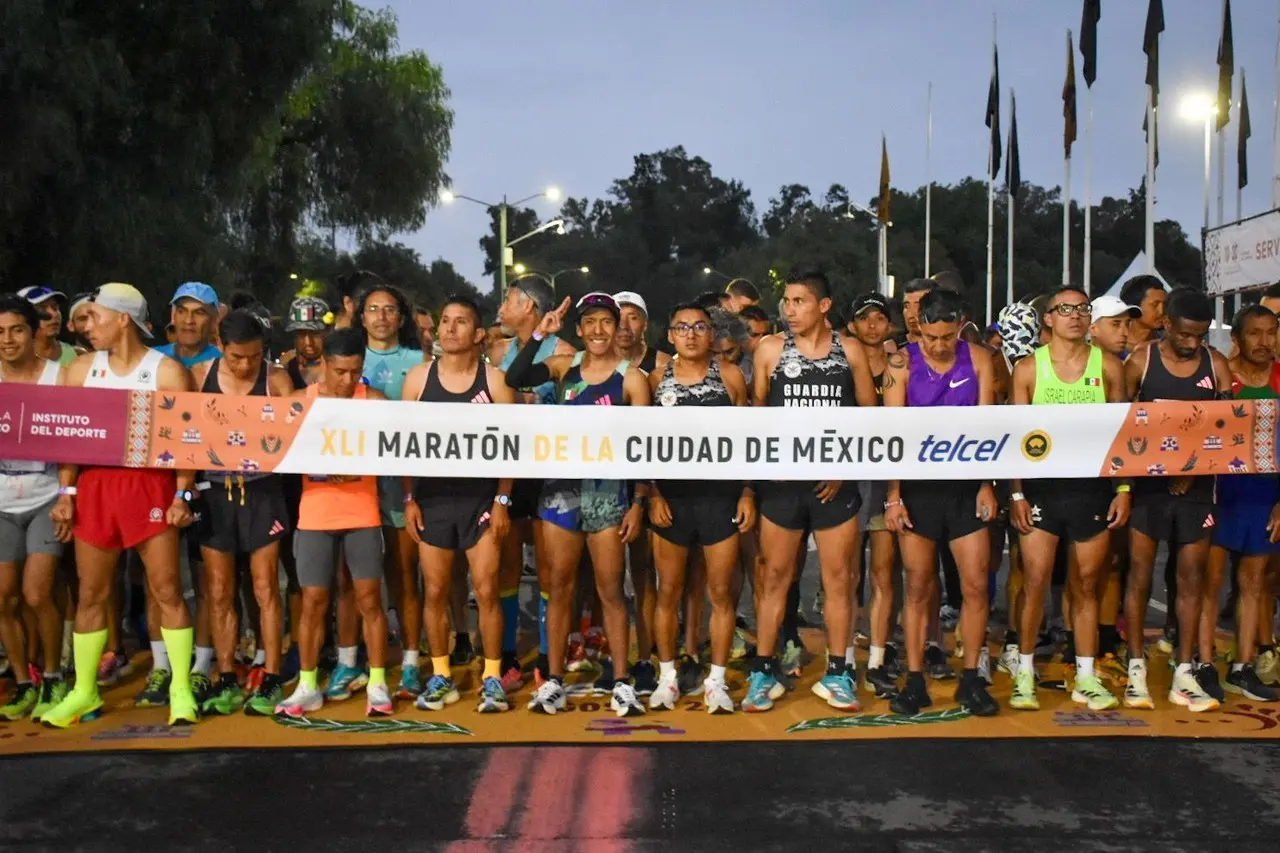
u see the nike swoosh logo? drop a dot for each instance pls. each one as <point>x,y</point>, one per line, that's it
<point>955,384</point>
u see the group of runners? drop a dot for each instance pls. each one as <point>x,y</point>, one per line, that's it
<point>370,558</point>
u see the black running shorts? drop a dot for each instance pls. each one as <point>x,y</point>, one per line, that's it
<point>794,505</point>
<point>942,510</point>
<point>243,518</point>
<point>1166,518</point>
<point>454,520</point>
<point>1072,510</point>
<point>701,516</point>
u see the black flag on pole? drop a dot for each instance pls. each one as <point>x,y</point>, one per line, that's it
<point>1069,100</point>
<point>1151,47</point>
<point>1245,130</point>
<point>993,112</point>
<point>1089,40</point>
<point>1226,67</point>
<point>1013,173</point>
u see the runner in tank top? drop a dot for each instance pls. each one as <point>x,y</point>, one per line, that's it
<point>1083,512</point>
<point>808,365</point>
<point>244,514</point>
<point>36,512</point>
<point>708,514</point>
<point>452,516</point>
<point>122,508</point>
<point>1248,519</point>
<point>942,370</point>
<point>527,301</point>
<point>340,515</point>
<point>1179,510</point>
<point>596,513</point>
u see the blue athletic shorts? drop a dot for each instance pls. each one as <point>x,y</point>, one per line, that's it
<point>584,506</point>
<point>1242,528</point>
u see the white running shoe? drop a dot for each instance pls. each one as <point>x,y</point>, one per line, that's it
<point>549,698</point>
<point>717,697</point>
<point>1136,694</point>
<point>1010,660</point>
<point>666,695</point>
<point>984,665</point>
<point>624,702</point>
<point>1186,691</point>
<point>302,701</point>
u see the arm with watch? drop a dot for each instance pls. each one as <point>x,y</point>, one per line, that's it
<point>179,514</point>
<point>499,514</point>
<point>63,513</point>
<point>633,521</point>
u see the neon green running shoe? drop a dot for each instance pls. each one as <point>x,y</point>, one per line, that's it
<point>52,691</point>
<point>26,698</point>
<point>263,701</point>
<point>1090,691</point>
<point>1024,691</point>
<point>78,707</point>
<point>225,698</point>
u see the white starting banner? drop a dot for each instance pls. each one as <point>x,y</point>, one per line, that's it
<point>1243,255</point>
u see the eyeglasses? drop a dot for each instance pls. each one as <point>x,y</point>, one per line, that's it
<point>1084,310</point>
<point>384,310</point>
<point>685,329</point>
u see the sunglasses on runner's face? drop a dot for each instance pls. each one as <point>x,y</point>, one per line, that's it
<point>1083,310</point>
<point>598,300</point>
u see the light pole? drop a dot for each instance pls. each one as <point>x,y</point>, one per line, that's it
<point>550,194</point>
<point>522,271</point>
<point>1201,107</point>
<point>882,245</point>
<point>710,271</point>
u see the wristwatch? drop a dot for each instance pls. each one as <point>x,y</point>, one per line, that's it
<point>183,495</point>
<point>67,491</point>
<point>1017,496</point>
<point>504,500</point>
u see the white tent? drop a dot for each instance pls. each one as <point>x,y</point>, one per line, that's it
<point>1138,267</point>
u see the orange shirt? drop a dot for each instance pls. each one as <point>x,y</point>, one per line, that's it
<point>348,505</point>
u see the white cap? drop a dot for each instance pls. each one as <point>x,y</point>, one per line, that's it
<point>627,297</point>
<point>1112,306</point>
<point>126,299</point>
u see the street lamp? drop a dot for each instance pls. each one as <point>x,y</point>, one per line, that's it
<point>714,271</point>
<point>504,248</point>
<point>1201,107</point>
<point>550,278</point>
<point>882,242</point>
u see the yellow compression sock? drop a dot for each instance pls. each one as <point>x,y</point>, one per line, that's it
<point>492,668</point>
<point>88,652</point>
<point>307,679</point>
<point>377,676</point>
<point>439,664</point>
<point>179,642</point>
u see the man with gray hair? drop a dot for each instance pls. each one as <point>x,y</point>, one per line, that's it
<point>519,314</point>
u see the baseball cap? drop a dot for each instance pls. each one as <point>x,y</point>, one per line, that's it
<point>197,290</point>
<point>1019,327</point>
<point>870,302</point>
<point>39,293</point>
<point>1113,306</point>
<point>628,297</point>
<point>78,300</point>
<point>126,299</point>
<point>597,299</point>
<point>307,315</point>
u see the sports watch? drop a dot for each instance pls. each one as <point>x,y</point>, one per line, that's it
<point>183,495</point>
<point>504,500</point>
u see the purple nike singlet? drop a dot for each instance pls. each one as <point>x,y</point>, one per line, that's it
<point>957,387</point>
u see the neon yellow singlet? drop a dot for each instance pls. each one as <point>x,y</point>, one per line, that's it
<point>1050,389</point>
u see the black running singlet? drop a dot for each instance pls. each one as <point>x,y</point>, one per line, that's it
<point>1159,384</point>
<point>709,391</point>
<point>465,489</point>
<point>649,362</point>
<point>801,381</point>
<point>295,374</point>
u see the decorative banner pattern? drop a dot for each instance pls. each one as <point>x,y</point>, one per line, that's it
<point>329,436</point>
<point>1243,254</point>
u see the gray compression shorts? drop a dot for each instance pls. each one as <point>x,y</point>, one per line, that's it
<point>31,532</point>
<point>317,552</point>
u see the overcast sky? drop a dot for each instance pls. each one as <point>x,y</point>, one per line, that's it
<point>566,92</point>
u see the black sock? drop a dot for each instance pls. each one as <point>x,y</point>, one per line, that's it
<point>969,675</point>
<point>835,664</point>
<point>1011,637</point>
<point>228,677</point>
<point>915,680</point>
<point>1069,648</point>
<point>767,665</point>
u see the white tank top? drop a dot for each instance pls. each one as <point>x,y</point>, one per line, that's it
<point>142,378</point>
<point>27,486</point>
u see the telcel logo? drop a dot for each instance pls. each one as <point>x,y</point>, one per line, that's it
<point>962,449</point>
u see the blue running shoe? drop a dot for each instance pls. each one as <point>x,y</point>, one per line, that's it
<point>440,691</point>
<point>410,682</point>
<point>290,666</point>
<point>838,690</point>
<point>493,698</point>
<point>345,681</point>
<point>762,689</point>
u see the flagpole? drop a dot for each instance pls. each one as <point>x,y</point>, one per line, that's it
<point>1151,185</point>
<point>1088,189</point>
<point>1275,174</point>
<point>928,174</point>
<point>1240,129</point>
<point>991,198</point>
<point>1008,182</point>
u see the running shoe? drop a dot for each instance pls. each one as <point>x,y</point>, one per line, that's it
<point>549,698</point>
<point>1168,640</point>
<point>1207,678</point>
<point>717,697</point>
<point>1024,691</point>
<point>603,686</point>
<point>344,682</point>
<point>302,701</point>
<point>1136,694</point>
<point>762,689</point>
<point>1267,667</point>
<point>1245,682</point>
<point>52,691</point>
<point>377,701</point>
<point>596,644</point>
<point>666,695</point>
<point>625,703</point>
<point>263,701</point>
<point>440,691</point>
<point>1112,667</point>
<point>290,666</point>
<point>879,682</point>
<point>253,680</point>
<point>512,677</point>
<point>892,663</point>
<point>948,616</point>
<point>984,665</point>
<point>1089,690</point>
<point>410,682</point>
<point>575,658</point>
<point>974,698</point>
<point>21,704</point>
<point>155,693</point>
<point>1186,691</point>
<point>912,698</point>
<point>184,709</point>
<point>644,677</point>
<point>201,688</point>
<point>463,653</point>
<point>738,650</point>
<point>75,708</point>
<point>112,668</point>
<point>493,699</point>
<point>689,675</point>
<point>819,600</point>
<point>1010,660</point>
<point>226,698</point>
<point>791,662</point>
<point>837,690</point>
<point>541,671</point>
<point>935,663</point>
